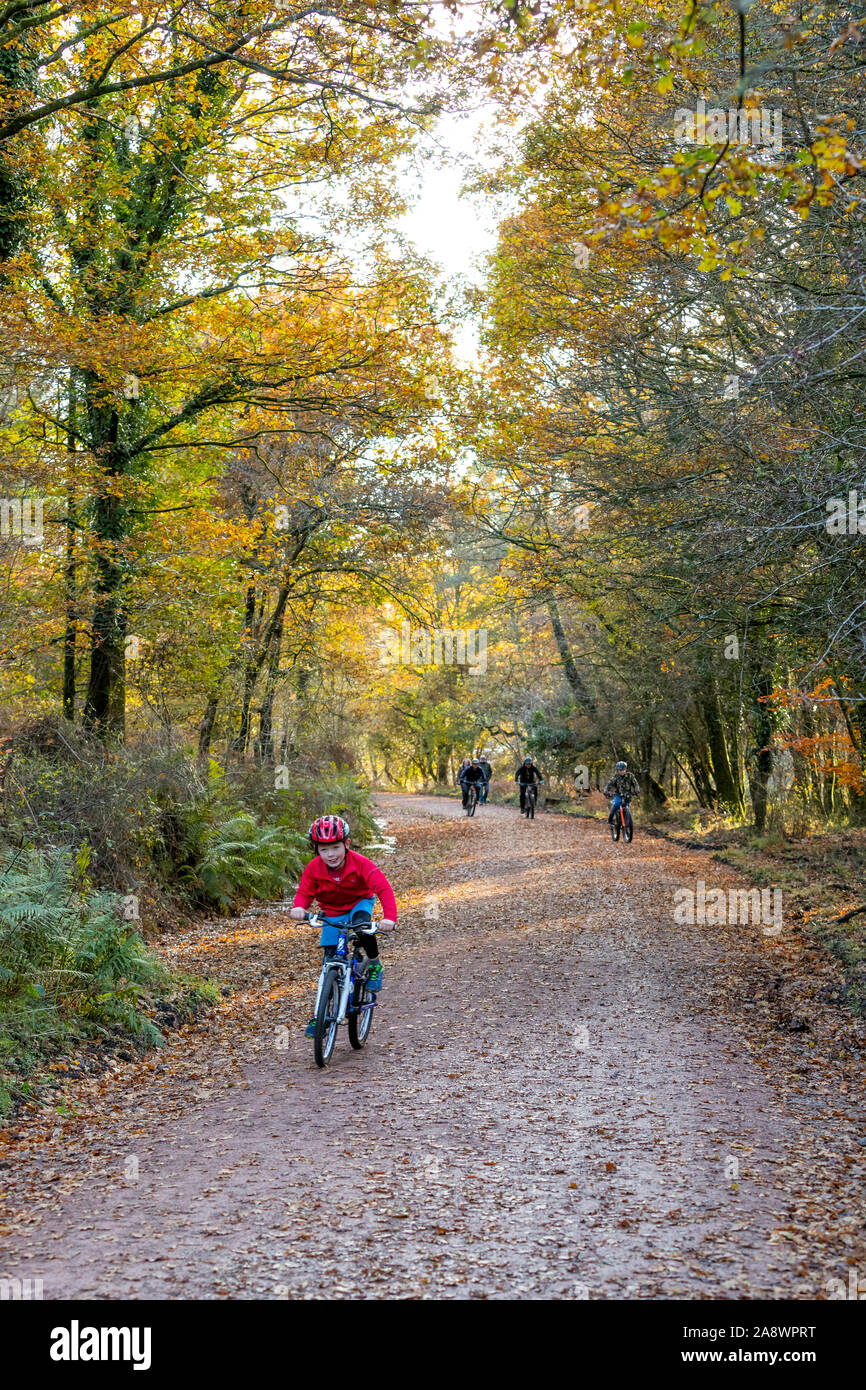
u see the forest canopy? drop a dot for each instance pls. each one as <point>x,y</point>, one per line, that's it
<point>248,474</point>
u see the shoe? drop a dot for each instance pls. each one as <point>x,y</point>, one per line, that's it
<point>310,1030</point>
<point>374,976</point>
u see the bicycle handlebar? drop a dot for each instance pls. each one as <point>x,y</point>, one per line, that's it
<point>317,919</point>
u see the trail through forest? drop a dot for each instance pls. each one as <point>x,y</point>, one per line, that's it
<point>566,1095</point>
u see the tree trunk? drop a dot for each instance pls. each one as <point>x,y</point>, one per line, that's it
<point>266,712</point>
<point>206,727</point>
<point>17,71</point>
<point>569,666</point>
<point>762,763</point>
<point>856,726</point>
<point>700,770</point>
<point>251,670</point>
<point>727,787</point>
<point>69,583</point>
<point>651,791</point>
<point>105,705</point>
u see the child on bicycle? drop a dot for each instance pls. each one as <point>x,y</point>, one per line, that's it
<point>345,885</point>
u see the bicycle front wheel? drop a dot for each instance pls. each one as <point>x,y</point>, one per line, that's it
<point>473,802</point>
<point>326,1020</point>
<point>614,829</point>
<point>628,828</point>
<point>530,805</point>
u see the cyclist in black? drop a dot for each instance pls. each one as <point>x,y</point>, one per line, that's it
<point>488,773</point>
<point>526,774</point>
<point>470,772</point>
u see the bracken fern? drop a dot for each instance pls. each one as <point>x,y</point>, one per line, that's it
<point>70,966</point>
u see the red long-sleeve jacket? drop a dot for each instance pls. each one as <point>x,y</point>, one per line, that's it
<point>336,890</point>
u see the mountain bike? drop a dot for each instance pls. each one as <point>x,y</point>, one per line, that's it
<point>342,996</point>
<point>472,795</point>
<point>622,823</point>
<point>530,800</point>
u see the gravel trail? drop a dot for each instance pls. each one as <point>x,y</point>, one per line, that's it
<point>566,1095</point>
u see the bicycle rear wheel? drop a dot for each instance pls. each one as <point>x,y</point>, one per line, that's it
<point>360,1021</point>
<point>326,1020</point>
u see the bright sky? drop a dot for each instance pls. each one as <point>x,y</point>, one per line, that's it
<point>454,232</point>
<point>451,230</point>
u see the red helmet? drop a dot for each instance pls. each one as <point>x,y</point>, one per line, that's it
<point>328,830</point>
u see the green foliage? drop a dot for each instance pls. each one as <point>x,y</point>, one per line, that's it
<point>151,816</point>
<point>343,797</point>
<point>551,735</point>
<point>70,965</point>
<point>307,796</point>
<point>242,859</point>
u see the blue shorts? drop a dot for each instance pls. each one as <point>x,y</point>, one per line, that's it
<point>330,936</point>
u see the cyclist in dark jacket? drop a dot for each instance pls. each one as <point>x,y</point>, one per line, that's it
<point>488,773</point>
<point>527,773</point>
<point>470,772</point>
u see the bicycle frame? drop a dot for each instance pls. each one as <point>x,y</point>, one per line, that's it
<point>342,962</point>
<point>622,823</point>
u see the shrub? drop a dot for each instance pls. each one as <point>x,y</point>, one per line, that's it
<point>130,805</point>
<point>241,859</point>
<point>70,965</point>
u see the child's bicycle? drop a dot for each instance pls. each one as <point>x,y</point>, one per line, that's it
<point>622,823</point>
<point>342,996</point>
